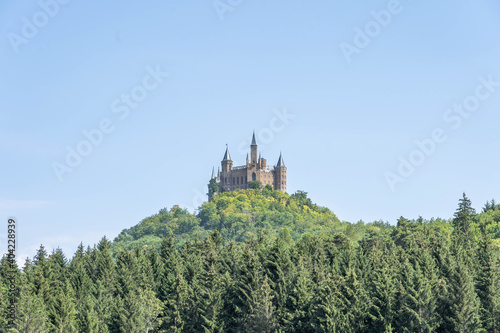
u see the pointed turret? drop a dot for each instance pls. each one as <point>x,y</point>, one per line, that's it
<point>280,164</point>
<point>253,150</point>
<point>226,163</point>
<point>213,173</point>
<point>280,175</point>
<point>227,156</point>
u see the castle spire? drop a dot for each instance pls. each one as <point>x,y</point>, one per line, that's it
<point>254,143</point>
<point>280,164</point>
<point>213,173</point>
<point>227,156</point>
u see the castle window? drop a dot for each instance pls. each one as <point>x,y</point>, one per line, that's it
<point>242,179</point>
<point>233,181</point>
<point>254,176</point>
<point>238,180</point>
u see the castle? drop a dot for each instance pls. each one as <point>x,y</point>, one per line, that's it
<point>232,178</point>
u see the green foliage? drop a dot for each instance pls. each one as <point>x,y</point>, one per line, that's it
<point>255,185</point>
<point>237,215</point>
<point>213,188</point>
<point>269,262</point>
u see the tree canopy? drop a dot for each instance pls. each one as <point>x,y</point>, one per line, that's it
<point>266,261</point>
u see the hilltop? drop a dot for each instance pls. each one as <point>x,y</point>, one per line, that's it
<point>242,214</point>
<point>237,215</point>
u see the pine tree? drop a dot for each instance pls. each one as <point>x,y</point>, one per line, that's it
<point>88,318</point>
<point>382,291</point>
<point>157,268</point>
<point>62,309</point>
<point>418,303</point>
<point>214,286</point>
<point>176,305</point>
<point>253,297</point>
<point>488,283</point>
<point>327,312</point>
<point>356,301</point>
<point>168,274</point>
<point>31,315</point>
<point>3,307</point>
<point>104,269</point>
<point>463,301</point>
<point>300,298</point>
<point>278,266</point>
<point>261,318</point>
<point>463,235</point>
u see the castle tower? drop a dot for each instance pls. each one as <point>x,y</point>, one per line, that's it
<point>226,166</point>
<point>226,163</point>
<point>280,175</point>
<point>253,150</point>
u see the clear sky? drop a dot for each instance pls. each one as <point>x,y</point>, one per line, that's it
<point>343,88</point>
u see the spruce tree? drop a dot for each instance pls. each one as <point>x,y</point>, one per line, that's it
<point>382,291</point>
<point>62,309</point>
<point>463,235</point>
<point>327,312</point>
<point>300,298</point>
<point>31,314</point>
<point>463,301</point>
<point>488,283</point>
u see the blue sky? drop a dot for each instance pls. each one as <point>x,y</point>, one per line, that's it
<point>344,121</point>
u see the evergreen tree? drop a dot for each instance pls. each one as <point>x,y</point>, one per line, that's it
<point>382,290</point>
<point>488,283</point>
<point>418,303</point>
<point>176,305</point>
<point>462,226</point>
<point>261,317</point>
<point>31,315</point>
<point>463,301</point>
<point>214,286</point>
<point>357,302</point>
<point>327,313</point>
<point>213,188</point>
<point>300,299</point>
<point>62,309</point>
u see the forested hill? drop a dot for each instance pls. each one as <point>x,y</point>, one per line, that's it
<point>417,276</point>
<point>241,215</point>
<point>237,215</point>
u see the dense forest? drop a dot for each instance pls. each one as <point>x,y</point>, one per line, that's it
<point>265,261</point>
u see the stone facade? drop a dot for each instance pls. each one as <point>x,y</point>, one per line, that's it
<point>231,177</point>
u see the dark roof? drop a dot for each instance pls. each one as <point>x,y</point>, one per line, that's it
<point>280,162</point>
<point>253,140</point>
<point>227,156</point>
